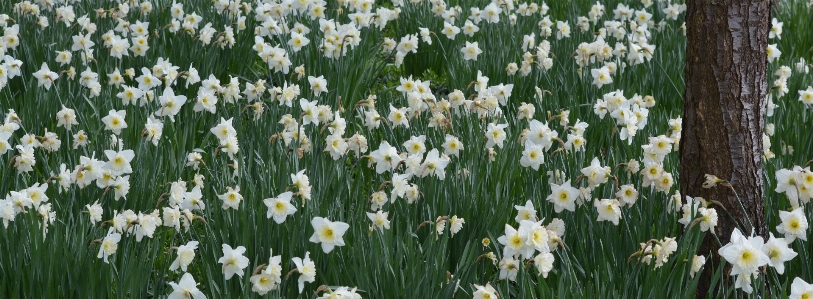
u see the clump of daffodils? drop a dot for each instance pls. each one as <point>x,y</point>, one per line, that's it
<point>796,184</point>
<point>746,256</point>
<point>227,137</point>
<point>531,241</point>
<point>630,115</point>
<point>656,250</point>
<point>699,211</point>
<point>267,277</point>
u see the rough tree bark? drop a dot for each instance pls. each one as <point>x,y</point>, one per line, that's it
<point>723,109</point>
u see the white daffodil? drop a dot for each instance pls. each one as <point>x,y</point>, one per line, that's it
<point>186,253</point>
<point>280,207</point>
<point>233,261</point>
<point>187,288</point>
<point>306,269</point>
<point>328,233</point>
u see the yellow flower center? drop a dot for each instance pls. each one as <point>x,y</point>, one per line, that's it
<point>773,253</point>
<point>516,241</point>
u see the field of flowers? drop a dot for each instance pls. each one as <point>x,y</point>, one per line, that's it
<point>376,149</point>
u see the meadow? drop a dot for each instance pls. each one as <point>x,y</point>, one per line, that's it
<point>376,149</point>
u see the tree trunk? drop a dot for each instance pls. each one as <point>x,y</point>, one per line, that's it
<point>723,114</point>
